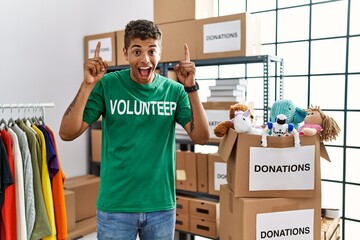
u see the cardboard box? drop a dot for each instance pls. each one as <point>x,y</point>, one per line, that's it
<point>204,227</point>
<point>202,172</point>
<point>174,36</point>
<point>186,171</point>
<point>247,179</point>
<point>228,36</point>
<point>96,145</point>
<point>166,11</point>
<point>205,209</point>
<point>262,218</point>
<point>120,58</point>
<point>83,228</point>
<point>70,209</point>
<point>182,204</point>
<point>108,47</point>
<point>86,191</point>
<point>182,222</point>
<point>217,173</point>
<point>329,227</point>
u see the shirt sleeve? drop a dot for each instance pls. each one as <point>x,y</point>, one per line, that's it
<point>95,106</point>
<point>183,112</point>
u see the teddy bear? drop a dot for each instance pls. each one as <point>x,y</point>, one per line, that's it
<point>317,122</point>
<point>223,127</point>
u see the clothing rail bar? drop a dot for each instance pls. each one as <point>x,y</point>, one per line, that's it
<point>27,105</point>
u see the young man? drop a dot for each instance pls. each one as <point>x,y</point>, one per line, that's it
<point>139,110</point>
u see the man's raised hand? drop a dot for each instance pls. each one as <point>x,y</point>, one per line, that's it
<point>185,70</point>
<point>95,68</point>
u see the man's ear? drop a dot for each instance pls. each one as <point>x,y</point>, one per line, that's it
<point>125,54</point>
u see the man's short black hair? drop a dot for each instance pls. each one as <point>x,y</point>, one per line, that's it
<point>143,29</point>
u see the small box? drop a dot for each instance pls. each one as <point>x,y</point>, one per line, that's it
<point>217,173</point>
<point>228,36</point>
<point>82,228</point>
<point>166,11</point>
<point>204,227</point>
<point>202,172</point>
<point>107,50</point>
<point>182,222</point>
<point>86,191</point>
<point>300,178</point>
<point>205,209</point>
<point>186,171</point>
<point>174,36</point>
<point>70,209</point>
<point>182,204</point>
<point>96,145</point>
<point>265,218</point>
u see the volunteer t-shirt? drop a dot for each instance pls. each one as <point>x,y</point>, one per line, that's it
<point>138,140</point>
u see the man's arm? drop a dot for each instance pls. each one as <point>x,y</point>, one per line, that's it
<point>72,124</point>
<point>197,128</point>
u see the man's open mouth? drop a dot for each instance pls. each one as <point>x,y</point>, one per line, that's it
<point>144,71</point>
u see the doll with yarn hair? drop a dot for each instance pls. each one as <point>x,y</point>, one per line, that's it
<point>317,122</point>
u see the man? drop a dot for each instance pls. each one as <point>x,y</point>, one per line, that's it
<point>139,110</point>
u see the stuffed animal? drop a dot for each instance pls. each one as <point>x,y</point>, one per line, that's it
<point>317,122</point>
<point>280,128</point>
<point>223,127</point>
<point>243,123</point>
<point>294,115</point>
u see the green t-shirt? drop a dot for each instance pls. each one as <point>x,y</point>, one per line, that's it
<point>138,141</point>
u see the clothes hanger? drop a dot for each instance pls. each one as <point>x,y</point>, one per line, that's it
<point>3,124</point>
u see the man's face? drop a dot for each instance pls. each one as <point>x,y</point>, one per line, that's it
<point>143,57</point>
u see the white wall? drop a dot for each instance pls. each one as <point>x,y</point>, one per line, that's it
<point>41,57</point>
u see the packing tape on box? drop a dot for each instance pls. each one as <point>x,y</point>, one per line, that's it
<point>331,213</point>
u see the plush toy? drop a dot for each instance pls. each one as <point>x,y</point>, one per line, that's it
<point>280,128</point>
<point>237,109</point>
<point>317,122</point>
<point>294,115</point>
<point>243,123</point>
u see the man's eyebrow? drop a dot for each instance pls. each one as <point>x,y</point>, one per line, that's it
<point>138,46</point>
<point>135,46</point>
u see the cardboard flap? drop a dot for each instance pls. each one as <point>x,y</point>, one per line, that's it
<point>226,144</point>
<point>323,153</point>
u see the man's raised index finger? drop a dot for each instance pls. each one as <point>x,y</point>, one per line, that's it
<point>187,53</point>
<point>97,50</point>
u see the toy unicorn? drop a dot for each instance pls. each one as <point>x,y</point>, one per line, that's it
<point>243,123</point>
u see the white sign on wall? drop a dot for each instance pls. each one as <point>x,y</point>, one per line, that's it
<point>288,225</point>
<point>219,175</point>
<point>282,168</point>
<point>105,49</point>
<point>222,37</point>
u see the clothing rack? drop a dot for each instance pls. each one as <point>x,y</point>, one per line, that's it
<point>29,106</point>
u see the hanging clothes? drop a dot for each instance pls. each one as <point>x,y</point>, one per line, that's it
<point>28,180</point>
<point>19,187</point>
<point>6,180</point>
<point>32,177</point>
<point>42,226</point>
<point>46,186</point>
<point>58,194</point>
<point>9,206</point>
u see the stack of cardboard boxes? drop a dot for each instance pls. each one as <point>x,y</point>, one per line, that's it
<point>80,198</point>
<point>192,22</point>
<point>273,192</point>
<point>197,216</point>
